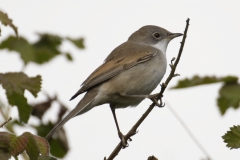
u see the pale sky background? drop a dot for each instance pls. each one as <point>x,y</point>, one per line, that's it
<point>212,48</point>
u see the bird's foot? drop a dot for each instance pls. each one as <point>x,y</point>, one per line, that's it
<point>123,140</point>
<point>154,98</point>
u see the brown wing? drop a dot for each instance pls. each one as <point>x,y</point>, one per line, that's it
<point>113,67</point>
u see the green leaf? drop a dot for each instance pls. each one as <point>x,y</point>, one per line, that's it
<point>232,137</point>
<point>58,148</point>
<point>196,80</point>
<point>42,51</point>
<point>7,22</point>
<point>46,48</point>
<point>21,46</point>
<point>69,56</point>
<point>77,42</point>
<point>15,84</point>
<point>229,96</point>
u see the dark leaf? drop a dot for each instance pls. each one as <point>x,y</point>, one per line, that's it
<point>8,22</point>
<point>43,129</point>
<point>232,137</point>
<point>196,80</point>
<point>63,110</point>
<point>229,96</point>
<point>46,48</point>
<point>152,158</point>
<point>40,108</point>
<point>58,147</point>
<point>69,56</point>
<point>78,42</point>
<point>15,84</point>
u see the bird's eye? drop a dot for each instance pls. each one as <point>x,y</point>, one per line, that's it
<point>157,35</point>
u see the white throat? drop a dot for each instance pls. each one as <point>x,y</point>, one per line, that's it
<point>162,45</point>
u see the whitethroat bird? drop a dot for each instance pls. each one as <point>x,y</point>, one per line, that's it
<point>127,76</point>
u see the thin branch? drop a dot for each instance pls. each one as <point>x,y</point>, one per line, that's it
<point>9,119</point>
<point>133,130</point>
<point>191,135</point>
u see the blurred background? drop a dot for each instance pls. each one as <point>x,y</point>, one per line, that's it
<point>211,48</point>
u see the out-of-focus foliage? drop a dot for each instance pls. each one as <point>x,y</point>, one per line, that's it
<point>15,84</point>
<point>7,22</point>
<point>232,137</point>
<point>43,50</point>
<point>229,93</point>
<point>36,147</point>
<point>78,42</point>
<point>229,96</point>
<point>196,80</point>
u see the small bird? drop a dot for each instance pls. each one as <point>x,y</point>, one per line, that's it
<point>127,76</point>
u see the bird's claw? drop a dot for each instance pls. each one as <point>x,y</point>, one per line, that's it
<point>154,98</point>
<point>123,140</point>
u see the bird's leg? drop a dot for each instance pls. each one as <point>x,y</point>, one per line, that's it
<point>151,97</point>
<point>120,135</point>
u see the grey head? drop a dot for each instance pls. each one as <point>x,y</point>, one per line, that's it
<point>153,35</point>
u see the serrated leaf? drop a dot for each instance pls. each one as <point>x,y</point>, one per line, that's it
<point>196,80</point>
<point>69,56</point>
<point>32,147</point>
<point>32,144</point>
<point>15,84</point>
<point>18,145</point>
<point>43,146</point>
<point>77,42</point>
<point>229,96</point>
<point>7,22</point>
<point>232,137</point>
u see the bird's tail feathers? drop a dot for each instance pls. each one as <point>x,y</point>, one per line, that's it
<point>84,105</point>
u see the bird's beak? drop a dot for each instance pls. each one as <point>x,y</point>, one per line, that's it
<point>174,35</point>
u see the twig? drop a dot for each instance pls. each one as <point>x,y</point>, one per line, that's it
<point>9,119</point>
<point>133,130</point>
<point>191,135</point>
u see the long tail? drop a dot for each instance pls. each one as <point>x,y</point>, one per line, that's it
<point>84,105</point>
